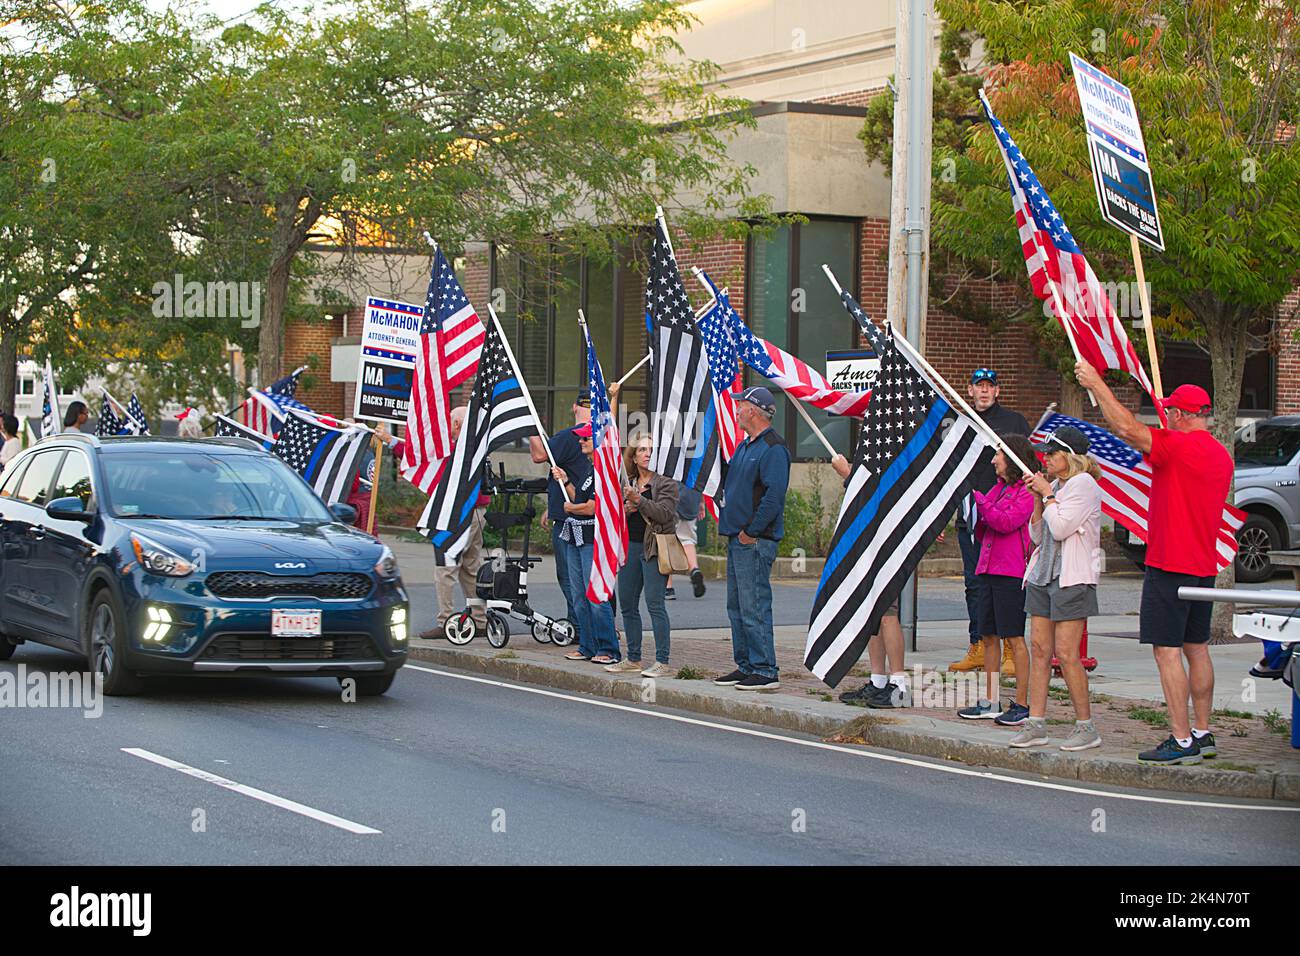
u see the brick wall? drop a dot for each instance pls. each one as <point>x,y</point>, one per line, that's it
<point>723,259</point>
<point>309,343</point>
<point>853,98</point>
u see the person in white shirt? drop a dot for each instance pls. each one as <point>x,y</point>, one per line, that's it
<point>12,443</point>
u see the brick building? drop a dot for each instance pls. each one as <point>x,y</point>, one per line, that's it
<point>810,67</point>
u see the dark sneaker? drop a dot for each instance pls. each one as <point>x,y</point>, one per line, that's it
<point>670,594</point>
<point>1206,743</point>
<point>985,709</point>
<point>758,682</point>
<point>1168,752</point>
<point>727,680</point>
<point>697,582</point>
<point>1013,716</point>
<point>889,697</point>
<point>860,696</point>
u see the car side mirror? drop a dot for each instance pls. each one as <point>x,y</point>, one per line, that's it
<point>69,509</point>
<point>343,512</point>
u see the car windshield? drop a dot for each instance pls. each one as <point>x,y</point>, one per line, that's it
<point>196,484</point>
<point>1266,445</point>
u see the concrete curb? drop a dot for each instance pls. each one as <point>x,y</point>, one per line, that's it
<point>908,733</point>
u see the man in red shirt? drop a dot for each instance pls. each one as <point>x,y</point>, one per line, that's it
<point>1191,475</point>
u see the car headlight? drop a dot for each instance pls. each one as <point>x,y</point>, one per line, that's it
<point>156,559</point>
<point>386,566</point>
<point>397,623</point>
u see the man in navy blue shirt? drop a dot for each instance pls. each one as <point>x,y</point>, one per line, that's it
<point>568,455</point>
<point>753,521</point>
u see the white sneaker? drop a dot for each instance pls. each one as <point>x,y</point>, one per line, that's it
<point>1085,737</point>
<point>1033,733</point>
<point>623,667</point>
<point>656,670</point>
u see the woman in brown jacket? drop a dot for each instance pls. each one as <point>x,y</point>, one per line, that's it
<point>650,503</point>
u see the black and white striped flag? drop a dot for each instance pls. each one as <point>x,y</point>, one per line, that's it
<point>913,461</point>
<point>685,424</point>
<point>498,415</point>
<point>229,428</point>
<point>327,457</point>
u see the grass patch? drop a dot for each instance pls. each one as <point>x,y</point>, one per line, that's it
<point>1149,715</point>
<point>856,730</point>
<point>1058,693</point>
<point>1275,722</point>
<point>505,656</point>
<point>1229,712</point>
<point>1099,698</point>
<point>1240,732</point>
<point>1058,721</point>
<point>690,673</point>
<point>826,697</point>
<point>1229,765</point>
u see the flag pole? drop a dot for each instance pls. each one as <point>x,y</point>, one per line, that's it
<point>798,406</point>
<point>632,371</point>
<point>523,387</point>
<point>1047,413</point>
<point>374,485</point>
<point>1146,316</point>
<point>660,218</point>
<point>979,423</point>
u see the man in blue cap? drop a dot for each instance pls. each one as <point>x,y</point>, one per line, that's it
<point>752,520</point>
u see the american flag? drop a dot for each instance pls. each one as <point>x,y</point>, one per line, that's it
<point>266,417</point>
<point>685,427</point>
<point>451,340</point>
<point>51,423</point>
<point>874,335</point>
<point>109,424</point>
<point>1054,259</point>
<point>610,551</point>
<point>720,348</point>
<point>915,456</point>
<point>136,423</point>
<point>327,457</point>
<point>801,380</point>
<point>1126,482</point>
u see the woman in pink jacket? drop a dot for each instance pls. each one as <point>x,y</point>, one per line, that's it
<point>1002,536</point>
<point>1061,581</point>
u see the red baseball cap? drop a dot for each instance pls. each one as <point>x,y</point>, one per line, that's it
<point>1187,398</point>
<point>583,430</point>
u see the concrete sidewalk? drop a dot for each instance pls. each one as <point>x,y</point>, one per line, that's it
<point>1255,756</point>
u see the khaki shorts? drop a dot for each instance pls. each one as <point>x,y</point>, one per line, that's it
<point>686,531</point>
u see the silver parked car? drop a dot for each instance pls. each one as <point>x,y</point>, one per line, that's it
<point>1267,483</point>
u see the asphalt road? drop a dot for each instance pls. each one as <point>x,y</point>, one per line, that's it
<point>452,769</point>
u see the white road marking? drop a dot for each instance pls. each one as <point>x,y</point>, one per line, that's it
<point>820,745</point>
<point>281,802</point>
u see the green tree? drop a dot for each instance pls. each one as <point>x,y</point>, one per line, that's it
<point>1217,83</point>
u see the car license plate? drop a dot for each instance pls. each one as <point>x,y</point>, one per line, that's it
<point>295,623</point>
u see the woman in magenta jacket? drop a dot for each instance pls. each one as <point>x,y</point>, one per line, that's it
<point>1002,536</point>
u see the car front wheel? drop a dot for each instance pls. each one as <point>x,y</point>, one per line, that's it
<point>107,641</point>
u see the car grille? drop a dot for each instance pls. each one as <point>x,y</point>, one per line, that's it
<point>255,585</point>
<point>332,647</point>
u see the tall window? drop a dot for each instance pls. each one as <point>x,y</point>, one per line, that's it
<point>791,304</point>
<point>540,317</point>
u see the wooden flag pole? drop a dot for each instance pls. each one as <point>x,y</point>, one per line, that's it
<point>374,485</point>
<point>983,426</point>
<point>523,387</point>
<point>1146,316</point>
<point>632,371</point>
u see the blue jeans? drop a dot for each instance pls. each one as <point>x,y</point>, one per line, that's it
<point>970,556</point>
<point>595,621</point>
<point>561,548</point>
<point>749,605</point>
<point>641,575</point>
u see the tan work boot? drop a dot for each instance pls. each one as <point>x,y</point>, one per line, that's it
<point>1008,661</point>
<point>973,661</point>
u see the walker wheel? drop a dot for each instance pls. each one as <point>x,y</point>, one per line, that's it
<point>498,630</point>
<point>460,628</point>
<point>563,632</point>
<point>541,633</point>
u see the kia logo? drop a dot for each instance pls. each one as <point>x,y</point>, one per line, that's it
<point>287,565</point>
